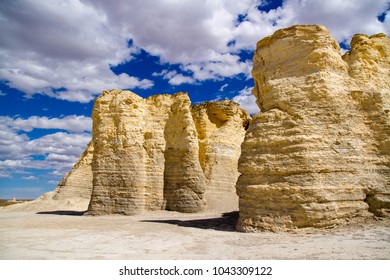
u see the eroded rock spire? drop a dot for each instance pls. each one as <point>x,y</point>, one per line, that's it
<point>318,152</point>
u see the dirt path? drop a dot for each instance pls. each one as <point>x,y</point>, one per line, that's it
<point>171,235</point>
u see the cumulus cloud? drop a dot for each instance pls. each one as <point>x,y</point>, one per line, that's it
<point>247,100</point>
<point>11,142</point>
<point>60,143</point>
<point>71,123</point>
<point>31,177</point>
<point>65,49</point>
<point>61,49</point>
<point>342,18</point>
<point>52,152</point>
<point>177,31</point>
<point>179,79</point>
<point>223,66</point>
<point>174,78</point>
<point>56,151</point>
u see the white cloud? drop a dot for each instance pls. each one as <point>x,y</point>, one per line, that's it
<point>174,78</point>
<point>57,151</point>
<point>5,174</point>
<point>218,98</point>
<point>225,66</point>
<point>52,182</point>
<point>62,44</point>
<point>77,124</point>
<point>222,88</point>
<point>179,79</point>
<point>32,178</point>
<point>177,31</point>
<point>60,143</point>
<point>56,44</point>
<point>247,100</point>
<point>193,34</point>
<point>11,143</point>
<point>342,18</point>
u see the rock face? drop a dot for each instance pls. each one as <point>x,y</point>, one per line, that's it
<point>221,128</point>
<point>161,153</point>
<point>318,152</point>
<point>152,154</point>
<point>369,65</point>
<point>145,155</point>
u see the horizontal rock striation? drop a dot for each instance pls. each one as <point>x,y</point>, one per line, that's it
<point>369,65</point>
<point>221,128</point>
<point>318,152</point>
<point>146,155</point>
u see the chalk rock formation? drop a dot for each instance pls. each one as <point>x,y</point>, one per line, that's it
<point>369,64</point>
<point>148,157</point>
<point>318,152</point>
<point>221,128</point>
<point>145,155</point>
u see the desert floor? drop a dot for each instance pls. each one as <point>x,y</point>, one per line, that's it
<point>171,235</point>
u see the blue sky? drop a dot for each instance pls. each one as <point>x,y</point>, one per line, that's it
<point>57,56</point>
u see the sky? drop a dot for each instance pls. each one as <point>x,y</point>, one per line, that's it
<point>57,56</point>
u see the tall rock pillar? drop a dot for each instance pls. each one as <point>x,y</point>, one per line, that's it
<point>145,155</point>
<point>309,158</point>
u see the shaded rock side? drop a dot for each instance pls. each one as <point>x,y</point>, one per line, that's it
<point>221,128</point>
<point>369,65</point>
<point>318,153</point>
<point>145,155</point>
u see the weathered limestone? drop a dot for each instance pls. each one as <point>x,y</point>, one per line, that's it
<point>145,155</point>
<point>221,128</point>
<point>318,152</point>
<point>369,64</point>
<point>148,157</point>
<point>317,155</point>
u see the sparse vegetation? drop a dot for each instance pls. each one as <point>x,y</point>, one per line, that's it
<point>6,202</point>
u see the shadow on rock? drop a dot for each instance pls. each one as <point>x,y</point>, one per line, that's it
<point>227,222</point>
<point>63,212</point>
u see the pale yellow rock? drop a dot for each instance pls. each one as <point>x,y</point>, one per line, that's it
<point>369,65</point>
<point>145,155</point>
<point>221,129</point>
<point>317,153</point>
<point>148,157</point>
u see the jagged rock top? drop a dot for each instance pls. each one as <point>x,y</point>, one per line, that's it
<point>223,110</point>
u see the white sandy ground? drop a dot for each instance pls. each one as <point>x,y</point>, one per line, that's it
<point>171,235</point>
